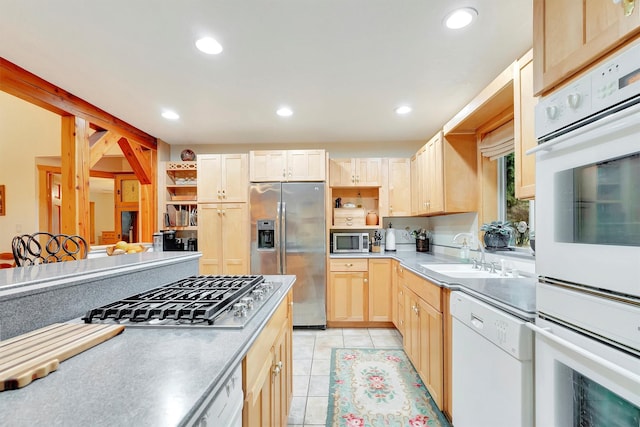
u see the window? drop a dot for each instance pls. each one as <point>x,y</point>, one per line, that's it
<point>520,213</point>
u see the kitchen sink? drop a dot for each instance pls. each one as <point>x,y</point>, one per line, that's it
<point>460,271</point>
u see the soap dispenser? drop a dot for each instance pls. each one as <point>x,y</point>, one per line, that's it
<point>464,251</point>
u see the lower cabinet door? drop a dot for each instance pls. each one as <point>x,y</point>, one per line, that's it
<point>258,404</point>
<point>347,295</point>
<point>431,368</point>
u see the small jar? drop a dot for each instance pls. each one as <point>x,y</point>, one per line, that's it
<point>371,218</point>
<point>157,242</point>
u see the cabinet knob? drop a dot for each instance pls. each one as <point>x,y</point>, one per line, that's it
<point>348,264</point>
<point>349,223</point>
<point>224,194</point>
<point>353,178</point>
<point>366,280</point>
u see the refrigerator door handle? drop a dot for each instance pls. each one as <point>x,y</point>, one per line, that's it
<point>283,245</point>
<point>278,241</point>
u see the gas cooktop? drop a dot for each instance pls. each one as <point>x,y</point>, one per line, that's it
<point>199,301</point>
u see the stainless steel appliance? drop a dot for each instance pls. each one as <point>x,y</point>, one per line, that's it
<point>288,237</point>
<point>201,301</point>
<point>588,248</point>
<point>350,242</point>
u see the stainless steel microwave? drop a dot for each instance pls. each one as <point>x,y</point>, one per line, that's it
<point>350,242</point>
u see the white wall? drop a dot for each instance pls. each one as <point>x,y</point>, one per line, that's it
<point>26,131</point>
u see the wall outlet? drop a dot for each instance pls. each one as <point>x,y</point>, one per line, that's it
<point>403,236</point>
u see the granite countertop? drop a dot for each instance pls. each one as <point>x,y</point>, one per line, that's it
<point>144,376</point>
<point>517,296</point>
<point>61,272</point>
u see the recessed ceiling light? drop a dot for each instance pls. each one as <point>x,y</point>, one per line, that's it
<point>209,45</point>
<point>284,112</point>
<point>171,115</point>
<point>404,109</point>
<point>460,18</point>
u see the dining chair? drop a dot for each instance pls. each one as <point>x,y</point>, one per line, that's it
<point>6,260</point>
<point>44,248</point>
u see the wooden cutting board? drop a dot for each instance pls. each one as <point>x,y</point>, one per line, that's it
<point>34,355</point>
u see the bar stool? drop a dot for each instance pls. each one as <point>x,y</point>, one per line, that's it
<point>44,248</point>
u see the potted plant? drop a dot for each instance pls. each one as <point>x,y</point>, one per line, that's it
<point>422,237</point>
<point>497,234</point>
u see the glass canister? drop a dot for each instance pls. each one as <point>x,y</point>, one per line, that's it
<point>157,242</point>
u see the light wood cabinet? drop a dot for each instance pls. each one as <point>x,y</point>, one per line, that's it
<point>287,165</point>
<point>399,187</point>
<point>346,293</point>
<point>222,178</point>
<point>359,292</point>
<point>223,238</point>
<point>399,297</point>
<point>524,132</point>
<point>380,291</point>
<point>568,35</point>
<point>357,172</point>
<point>444,173</point>
<point>267,372</point>
<point>423,336</point>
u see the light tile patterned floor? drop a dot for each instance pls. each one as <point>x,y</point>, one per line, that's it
<point>311,359</point>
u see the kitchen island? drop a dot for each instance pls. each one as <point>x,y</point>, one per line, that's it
<point>145,376</point>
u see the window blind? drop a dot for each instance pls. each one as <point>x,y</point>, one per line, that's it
<point>499,142</point>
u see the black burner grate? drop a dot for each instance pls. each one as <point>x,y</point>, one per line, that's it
<point>196,299</point>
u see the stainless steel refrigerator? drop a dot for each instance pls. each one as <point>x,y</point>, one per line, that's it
<point>288,237</point>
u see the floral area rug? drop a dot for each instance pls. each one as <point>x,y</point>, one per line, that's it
<point>376,388</point>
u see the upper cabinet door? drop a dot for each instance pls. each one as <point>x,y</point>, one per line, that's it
<point>268,165</point>
<point>368,172</point>
<point>524,133</point>
<point>222,178</point>
<point>359,172</point>
<point>287,165</point>
<point>400,187</point>
<point>306,165</point>
<point>209,178</point>
<point>235,185</point>
<point>341,173</point>
<point>568,35</point>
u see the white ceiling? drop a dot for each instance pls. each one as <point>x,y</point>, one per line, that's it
<point>342,65</point>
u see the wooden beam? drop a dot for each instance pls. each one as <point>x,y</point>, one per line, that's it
<point>149,202</point>
<point>138,161</point>
<point>75,176</point>
<point>25,85</point>
<point>100,143</point>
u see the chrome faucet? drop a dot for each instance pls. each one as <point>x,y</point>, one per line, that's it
<point>481,265</point>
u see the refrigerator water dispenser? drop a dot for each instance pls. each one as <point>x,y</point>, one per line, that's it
<point>266,236</point>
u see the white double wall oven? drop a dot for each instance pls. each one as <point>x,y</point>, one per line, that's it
<point>588,249</point>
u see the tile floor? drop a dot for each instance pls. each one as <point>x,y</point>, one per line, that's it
<point>311,365</point>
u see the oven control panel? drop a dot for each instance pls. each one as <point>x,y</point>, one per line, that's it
<point>615,80</point>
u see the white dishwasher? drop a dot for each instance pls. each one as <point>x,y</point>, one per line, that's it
<point>492,366</point>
